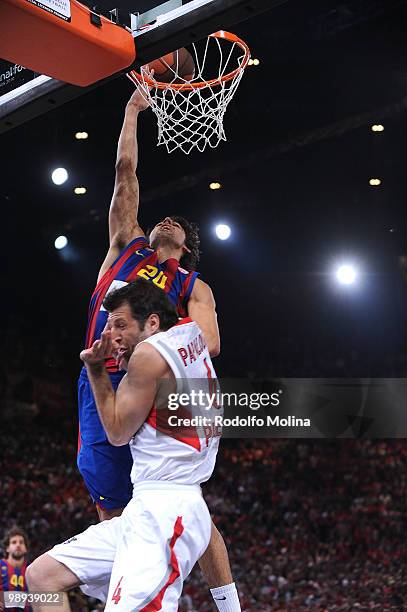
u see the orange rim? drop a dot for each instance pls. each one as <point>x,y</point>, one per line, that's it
<point>136,76</point>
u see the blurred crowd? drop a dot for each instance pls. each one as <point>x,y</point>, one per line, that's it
<point>310,525</point>
<point>287,356</point>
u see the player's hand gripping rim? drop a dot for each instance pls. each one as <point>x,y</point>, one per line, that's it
<point>140,99</point>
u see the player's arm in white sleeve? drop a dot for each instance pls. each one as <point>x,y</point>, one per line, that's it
<point>123,223</point>
<point>202,310</point>
<point>123,412</point>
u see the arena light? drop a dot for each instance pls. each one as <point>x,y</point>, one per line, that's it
<point>375,182</point>
<point>80,190</point>
<point>215,186</point>
<point>61,242</point>
<point>346,274</point>
<point>377,127</point>
<point>59,176</point>
<point>81,135</point>
<point>223,231</point>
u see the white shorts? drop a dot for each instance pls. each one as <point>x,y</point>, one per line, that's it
<point>139,561</point>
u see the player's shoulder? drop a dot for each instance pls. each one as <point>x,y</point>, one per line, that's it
<point>181,333</point>
<point>146,360</point>
<point>187,275</point>
<point>144,350</point>
<point>170,339</point>
<point>179,327</point>
<point>140,243</point>
<point>202,291</point>
<point>118,256</point>
<point>200,284</point>
<point>139,246</point>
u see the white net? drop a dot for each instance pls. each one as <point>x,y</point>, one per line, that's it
<point>190,112</point>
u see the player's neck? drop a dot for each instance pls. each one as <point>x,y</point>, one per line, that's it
<point>165,252</point>
<point>16,562</point>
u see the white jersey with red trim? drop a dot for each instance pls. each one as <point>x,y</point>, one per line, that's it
<point>185,453</point>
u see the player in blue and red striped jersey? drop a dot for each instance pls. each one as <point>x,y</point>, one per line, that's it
<point>12,568</point>
<point>167,259</point>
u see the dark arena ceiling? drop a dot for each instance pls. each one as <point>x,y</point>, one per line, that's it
<point>295,174</point>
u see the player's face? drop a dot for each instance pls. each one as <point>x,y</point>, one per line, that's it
<point>17,548</point>
<point>126,334</point>
<point>167,232</point>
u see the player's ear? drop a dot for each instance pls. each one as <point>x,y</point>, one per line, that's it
<point>153,323</point>
<point>186,249</point>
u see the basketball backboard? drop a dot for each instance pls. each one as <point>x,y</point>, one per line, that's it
<point>157,27</point>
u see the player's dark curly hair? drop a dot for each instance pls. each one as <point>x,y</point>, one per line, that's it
<point>144,299</point>
<point>189,261</point>
<point>11,533</point>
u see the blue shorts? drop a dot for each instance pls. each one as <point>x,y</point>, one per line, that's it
<point>105,469</point>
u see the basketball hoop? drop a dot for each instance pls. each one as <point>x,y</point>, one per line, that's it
<point>190,112</point>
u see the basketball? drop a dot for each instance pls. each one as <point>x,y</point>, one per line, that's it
<point>180,61</point>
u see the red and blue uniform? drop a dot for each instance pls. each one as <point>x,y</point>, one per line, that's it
<point>106,468</point>
<point>13,579</point>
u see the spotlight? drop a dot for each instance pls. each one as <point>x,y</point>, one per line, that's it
<point>61,242</point>
<point>81,135</point>
<point>256,62</point>
<point>215,186</point>
<point>59,176</point>
<point>223,231</point>
<point>346,275</point>
<point>374,182</point>
<point>80,190</point>
<point>377,128</point>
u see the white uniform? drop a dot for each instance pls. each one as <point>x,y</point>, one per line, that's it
<point>149,550</point>
<point>186,456</point>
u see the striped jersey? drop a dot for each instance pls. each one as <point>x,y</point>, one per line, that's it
<point>13,579</point>
<point>138,259</point>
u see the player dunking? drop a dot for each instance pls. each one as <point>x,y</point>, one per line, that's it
<point>149,550</point>
<point>173,243</point>
<point>13,567</point>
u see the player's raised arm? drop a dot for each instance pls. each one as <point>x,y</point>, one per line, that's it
<point>123,413</point>
<point>202,310</point>
<point>123,223</point>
